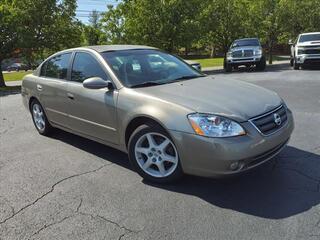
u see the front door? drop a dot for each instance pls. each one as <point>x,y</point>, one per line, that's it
<point>91,111</point>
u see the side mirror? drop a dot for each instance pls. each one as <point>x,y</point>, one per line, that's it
<point>97,83</point>
<point>290,42</point>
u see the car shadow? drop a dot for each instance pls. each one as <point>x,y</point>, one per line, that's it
<point>286,186</point>
<point>311,68</point>
<point>10,90</point>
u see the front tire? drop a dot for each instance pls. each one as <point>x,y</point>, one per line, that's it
<point>261,65</point>
<point>40,119</point>
<point>227,67</point>
<point>153,154</point>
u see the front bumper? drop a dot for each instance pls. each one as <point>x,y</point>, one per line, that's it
<point>212,157</point>
<point>244,60</point>
<point>308,59</point>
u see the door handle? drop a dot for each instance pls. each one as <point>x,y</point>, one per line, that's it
<point>39,87</point>
<point>70,96</point>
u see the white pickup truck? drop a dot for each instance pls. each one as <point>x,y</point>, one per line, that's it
<point>305,50</point>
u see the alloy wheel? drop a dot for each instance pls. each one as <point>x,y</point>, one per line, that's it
<point>156,155</point>
<point>38,116</point>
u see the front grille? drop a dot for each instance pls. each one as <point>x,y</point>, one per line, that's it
<point>242,53</point>
<point>237,54</point>
<point>269,123</point>
<point>312,46</point>
<point>312,51</point>
<point>248,53</point>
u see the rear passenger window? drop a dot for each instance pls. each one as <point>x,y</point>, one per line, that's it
<point>56,67</point>
<point>86,66</point>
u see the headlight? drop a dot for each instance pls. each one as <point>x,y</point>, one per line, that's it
<point>258,52</point>
<point>229,54</point>
<point>300,51</point>
<point>214,126</point>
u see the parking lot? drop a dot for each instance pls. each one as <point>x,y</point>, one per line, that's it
<point>68,187</point>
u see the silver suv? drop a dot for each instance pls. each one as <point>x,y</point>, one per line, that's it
<point>247,52</point>
<point>305,50</point>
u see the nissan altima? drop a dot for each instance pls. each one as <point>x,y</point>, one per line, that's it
<point>167,116</point>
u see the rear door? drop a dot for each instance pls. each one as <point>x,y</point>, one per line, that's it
<point>52,87</point>
<point>92,111</point>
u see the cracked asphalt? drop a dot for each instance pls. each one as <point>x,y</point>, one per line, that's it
<point>68,187</point>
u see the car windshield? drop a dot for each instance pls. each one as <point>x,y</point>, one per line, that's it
<point>143,68</point>
<point>309,38</point>
<point>245,42</point>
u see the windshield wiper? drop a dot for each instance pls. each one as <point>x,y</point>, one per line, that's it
<point>149,84</point>
<point>146,84</point>
<point>187,77</point>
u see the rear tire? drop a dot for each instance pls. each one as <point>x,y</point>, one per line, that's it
<point>296,66</point>
<point>153,154</point>
<point>40,119</point>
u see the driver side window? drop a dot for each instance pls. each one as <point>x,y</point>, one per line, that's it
<point>86,66</point>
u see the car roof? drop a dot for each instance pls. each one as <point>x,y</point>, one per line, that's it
<point>108,48</point>
<point>310,33</point>
<point>246,39</point>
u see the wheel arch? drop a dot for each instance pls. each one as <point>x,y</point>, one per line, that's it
<point>138,121</point>
<point>31,99</point>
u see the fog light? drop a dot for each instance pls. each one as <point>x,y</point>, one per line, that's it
<point>234,166</point>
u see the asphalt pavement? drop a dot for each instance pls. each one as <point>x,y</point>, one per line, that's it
<point>68,187</point>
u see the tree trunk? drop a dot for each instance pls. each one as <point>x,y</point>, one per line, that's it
<point>212,53</point>
<point>2,83</point>
<point>186,51</point>
<point>270,51</point>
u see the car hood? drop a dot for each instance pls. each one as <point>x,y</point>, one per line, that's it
<point>237,100</point>
<point>244,48</point>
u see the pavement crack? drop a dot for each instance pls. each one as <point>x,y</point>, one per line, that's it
<point>50,191</point>
<point>121,236</point>
<point>49,225</point>
<point>126,229</point>
<point>79,206</point>
<point>9,205</point>
<point>117,224</point>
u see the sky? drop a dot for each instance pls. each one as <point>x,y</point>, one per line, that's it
<point>86,6</point>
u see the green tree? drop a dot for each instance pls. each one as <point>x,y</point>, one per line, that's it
<point>112,23</point>
<point>297,17</point>
<point>92,32</point>
<point>8,32</point>
<point>167,24</point>
<point>222,22</point>
<point>35,27</point>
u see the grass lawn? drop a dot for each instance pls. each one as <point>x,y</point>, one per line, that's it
<point>209,62</point>
<point>216,62</point>
<point>15,76</point>
<point>280,58</point>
